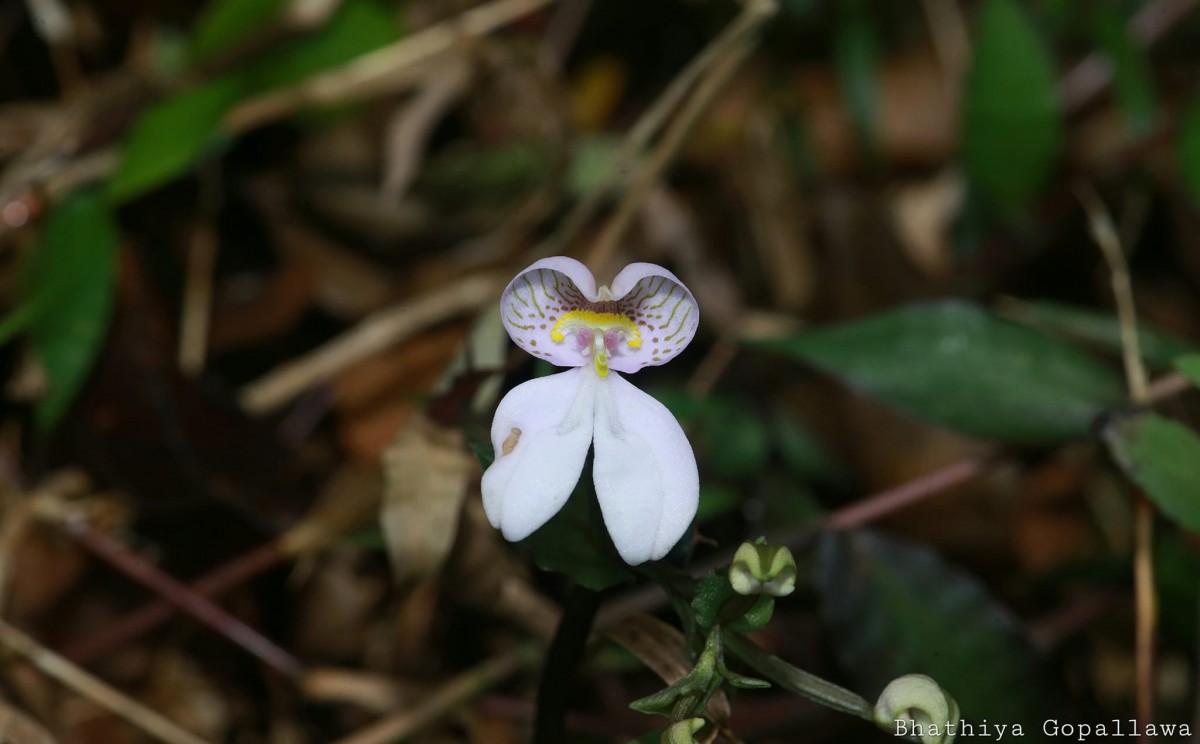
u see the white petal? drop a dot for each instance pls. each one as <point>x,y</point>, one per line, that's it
<point>645,472</point>
<point>664,310</point>
<point>537,297</point>
<point>541,434</point>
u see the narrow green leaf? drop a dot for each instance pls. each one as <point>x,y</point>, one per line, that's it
<point>358,27</point>
<point>1132,80</point>
<point>796,680</point>
<point>1188,365</point>
<point>71,279</point>
<point>856,51</point>
<point>1103,330</point>
<point>223,23</point>
<point>171,136</point>
<point>956,364</point>
<point>1163,457</point>
<point>1188,144</point>
<point>1012,128</point>
<point>893,608</point>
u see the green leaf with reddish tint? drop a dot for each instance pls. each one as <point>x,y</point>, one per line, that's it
<point>956,364</point>
<point>1012,128</point>
<point>70,279</point>
<point>1162,456</point>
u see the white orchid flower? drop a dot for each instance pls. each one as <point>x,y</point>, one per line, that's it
<point>644,472</point>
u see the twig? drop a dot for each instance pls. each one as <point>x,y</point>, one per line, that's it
<point>885,502</point>
<point>381,71</point>
<point>1145,596</point>
<point>71,676</point>
<point>454,693</point>
<point>149,616</point>
<point>648,125</point>
<point>711,367</point>
<point>373,334</point>
<point>561,33</point>
<point>179,594</point>
<point>728,60</point>
<point>1094,73</point>
<point>196,314</point>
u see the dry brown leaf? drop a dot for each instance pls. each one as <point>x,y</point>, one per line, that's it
<point>426,474</point>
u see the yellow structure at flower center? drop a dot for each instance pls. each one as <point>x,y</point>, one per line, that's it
<point>598,334</point>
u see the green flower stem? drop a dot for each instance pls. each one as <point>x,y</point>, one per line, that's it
<point>797,680</point>
<point>565,653</point>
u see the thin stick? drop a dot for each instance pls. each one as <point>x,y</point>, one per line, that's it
<point>375,333</point>
<point>196,313</point>
<point>648,125</point>
<point>454,693</point>
<point>71,676</point>
<point>1094,73</point>
<point>885,502</point>
<point>729,59</point>
<point>381,71</point>
<point>1145,596</point>
<point>154,613</point>
<point>182,596</point>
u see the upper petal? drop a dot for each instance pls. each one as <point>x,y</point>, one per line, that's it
<point>645,472</point>
<point>535,300</point>
<point>664,310</point>
<point>541,434</point>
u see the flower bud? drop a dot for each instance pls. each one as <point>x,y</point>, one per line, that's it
<point>683,732</point>
<point>763,569</point>
<point>916,700</point>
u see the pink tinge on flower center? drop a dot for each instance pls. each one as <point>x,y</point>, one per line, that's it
<point>598,332</point>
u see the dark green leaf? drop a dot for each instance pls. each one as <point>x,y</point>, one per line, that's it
<point>358,27</point>
<point>70,279</point>
<point>1188,153</point>
<point>712,592</point>
<point>1163,457</point>
<point>575,542</point>
<point>955,364</point>
<point>756,618</point>
<point>801,450</point>
<point>1159,348</point>
<point>1177,574</point>
<point>1012,130</point>
<point>1132,80</point>
<point>857,55</point>
<point>893,608</point>
<point>171,136</point>
<point>736,440</point>
<point>1189,366</point>
<point>224,23</point>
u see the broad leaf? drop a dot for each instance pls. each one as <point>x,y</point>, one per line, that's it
<point>1163,457</point>
<point>958,365</point>
<point>171,136</point>
<point>70,279</point>
<point>894,608</point>
<point>1159,348</point>
<point>1013,132</point>
<point>224,23</point>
